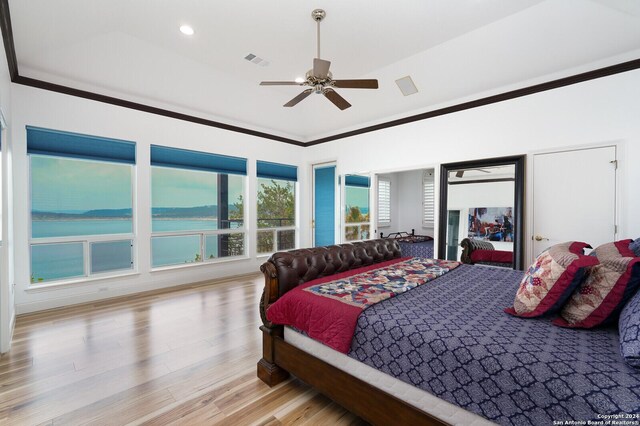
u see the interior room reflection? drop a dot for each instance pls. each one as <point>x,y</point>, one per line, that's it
<point>480,207</point>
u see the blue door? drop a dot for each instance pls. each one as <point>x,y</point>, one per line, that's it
<point>324,211</point>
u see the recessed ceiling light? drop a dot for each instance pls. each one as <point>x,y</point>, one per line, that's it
<point>299,80</point>
<point>187,30</point>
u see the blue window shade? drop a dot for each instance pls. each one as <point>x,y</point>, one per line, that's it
<point>196,160</point>
<point>355,180</point>
<point>277,171</point>
<point>74,145</point>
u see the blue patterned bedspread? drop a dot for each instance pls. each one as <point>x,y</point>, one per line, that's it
<point>450,337</point>
<point>424,249</point>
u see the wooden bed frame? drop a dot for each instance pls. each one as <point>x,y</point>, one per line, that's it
<point>286,270</point>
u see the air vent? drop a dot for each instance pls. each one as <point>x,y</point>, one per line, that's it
<point>256,60</point>
<point>406,86</point>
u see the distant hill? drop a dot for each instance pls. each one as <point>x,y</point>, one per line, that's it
<point>156,212</point>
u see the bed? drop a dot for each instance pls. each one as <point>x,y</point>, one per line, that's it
<point>412,245</point>
<point>444,352</point>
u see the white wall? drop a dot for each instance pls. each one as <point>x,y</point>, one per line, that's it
<point>599,111</point>
<point>56,111</point>
<point>7,307</point>
<point>594,112</point>
<point>410,202</point>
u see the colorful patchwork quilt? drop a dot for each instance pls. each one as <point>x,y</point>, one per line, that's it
<point>327,309</point>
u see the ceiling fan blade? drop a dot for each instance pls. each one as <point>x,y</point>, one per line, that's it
<point>321,68</point>
<point>337,100</point>
<point>356,84</point>
<point>298,98</point>
<point>280,83</point>
<point>459,173</point>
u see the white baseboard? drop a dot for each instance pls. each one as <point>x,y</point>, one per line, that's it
<point>115,292</point>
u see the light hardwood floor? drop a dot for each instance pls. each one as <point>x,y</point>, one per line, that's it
<point>186,356</point>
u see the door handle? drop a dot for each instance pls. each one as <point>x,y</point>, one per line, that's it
<point>540,238</point>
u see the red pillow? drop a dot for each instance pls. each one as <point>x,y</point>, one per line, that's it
<point>606,289</point>
<point>551,279</point>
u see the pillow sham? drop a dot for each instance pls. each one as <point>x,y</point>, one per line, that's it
<point>635,247</point>
<point>551,279</point>
<point>629,327</point>
<point>605,289</point>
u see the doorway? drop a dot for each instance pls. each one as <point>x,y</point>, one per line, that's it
<point>324,204</point>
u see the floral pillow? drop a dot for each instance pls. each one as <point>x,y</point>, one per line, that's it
<point>551,279</point>
<point>629,326</point>
<point>606,288</point>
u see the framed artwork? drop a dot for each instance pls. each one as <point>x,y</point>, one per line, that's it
<point>491,223</point>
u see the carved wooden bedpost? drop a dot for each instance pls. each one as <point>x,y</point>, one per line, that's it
<point>268,371</point>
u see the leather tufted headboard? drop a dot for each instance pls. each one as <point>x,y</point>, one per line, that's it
<point>292,268</point>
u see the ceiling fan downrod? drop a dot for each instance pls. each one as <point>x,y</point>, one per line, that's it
<point>318,15</point>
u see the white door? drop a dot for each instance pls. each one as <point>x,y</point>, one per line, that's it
<point>574,197</point>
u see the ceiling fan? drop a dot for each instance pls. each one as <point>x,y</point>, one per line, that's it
<point>460,173</point>
<point>319,78</point>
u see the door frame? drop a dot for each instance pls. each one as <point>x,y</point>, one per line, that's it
<point>336,194</point>
<point>620,158</point>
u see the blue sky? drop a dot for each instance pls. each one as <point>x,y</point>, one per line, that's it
<point>356,196</point>
<point>60,184</point>
<point>189,188</point>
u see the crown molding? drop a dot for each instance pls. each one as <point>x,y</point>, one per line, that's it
<point>10,50</point>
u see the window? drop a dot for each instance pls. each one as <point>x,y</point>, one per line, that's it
<point>276,201</point>
<point>428,199</point>
<point>197,206</point>
<point>356,208</point>
<point>384,202</point>
<point>81,205</point>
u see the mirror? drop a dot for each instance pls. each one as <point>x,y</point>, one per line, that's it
<point>483,200</point>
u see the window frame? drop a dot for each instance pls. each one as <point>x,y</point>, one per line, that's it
<point>344,187</point>
<point>275,229</point>
<point>86,240</point>
<point>202,233</point>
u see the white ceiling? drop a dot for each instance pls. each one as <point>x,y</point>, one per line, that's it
<point>454,51</point>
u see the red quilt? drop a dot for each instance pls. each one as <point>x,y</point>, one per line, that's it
<point>327,309</point>
<point>494,256</point>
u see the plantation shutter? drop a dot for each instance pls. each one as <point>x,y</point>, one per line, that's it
<point>428,199</point>
<point>384,202</point>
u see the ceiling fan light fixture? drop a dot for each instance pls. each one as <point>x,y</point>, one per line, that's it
<point>187,30</point>
<point>300,80</point>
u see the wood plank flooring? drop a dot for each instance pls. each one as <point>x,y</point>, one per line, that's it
<point>184,356</point>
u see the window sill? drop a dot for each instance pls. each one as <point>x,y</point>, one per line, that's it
<point>75,282</point>
<point>194,264</point>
